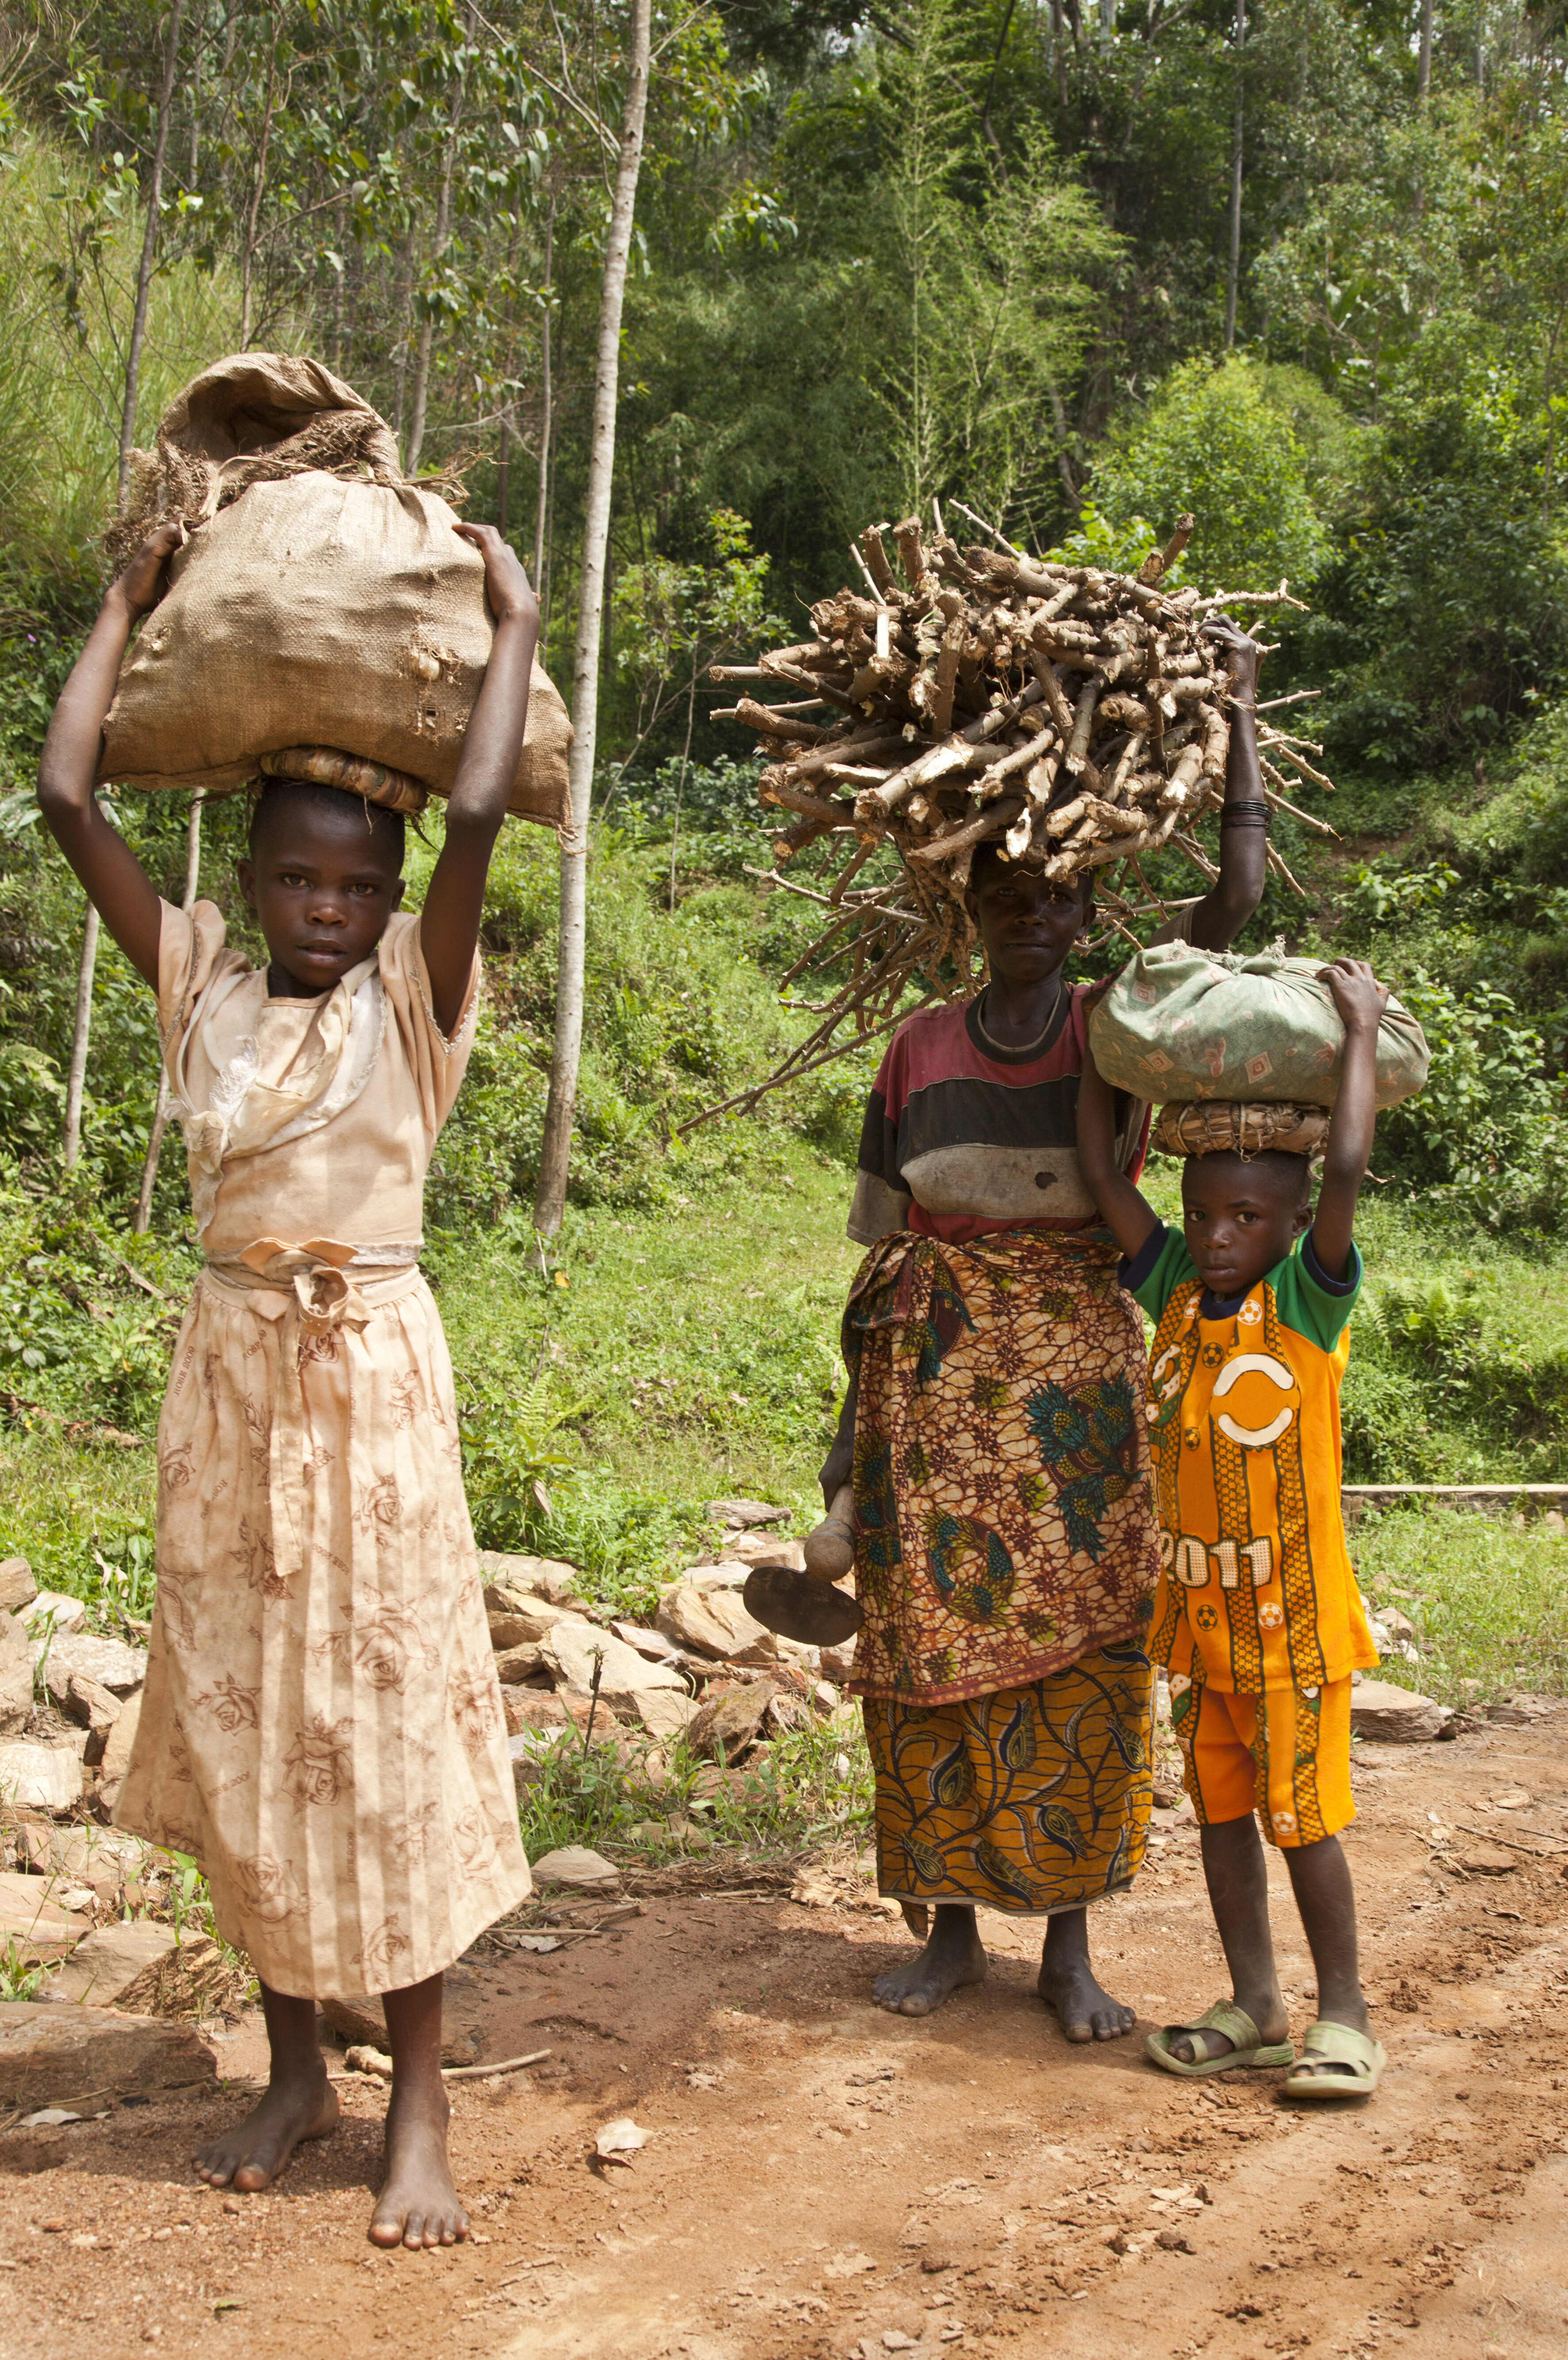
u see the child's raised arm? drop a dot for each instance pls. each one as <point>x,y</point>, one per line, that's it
<point>1360,1000</point>
<point>113,877</point>
<point>1126,1213</point>
<point>449,931</point>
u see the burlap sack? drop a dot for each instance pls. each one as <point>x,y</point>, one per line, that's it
<point>1180,1024</point>
<point>319,601</point>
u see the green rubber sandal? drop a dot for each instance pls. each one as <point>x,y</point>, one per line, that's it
<point>1330,2044</point>
<point>1237,2027</point>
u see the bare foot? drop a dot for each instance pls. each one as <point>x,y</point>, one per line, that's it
<point>296,2107</point>
<point>1084,2010</point>
<point>951,1958</point>
<point>419,2203</point>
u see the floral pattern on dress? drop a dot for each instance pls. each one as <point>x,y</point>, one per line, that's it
<point>1004,1523</point>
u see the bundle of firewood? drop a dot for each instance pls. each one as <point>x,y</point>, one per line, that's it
<point>1074,718</point>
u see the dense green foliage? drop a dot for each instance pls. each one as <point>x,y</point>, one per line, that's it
<point>974,253</point>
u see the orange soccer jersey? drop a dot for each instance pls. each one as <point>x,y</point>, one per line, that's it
<point>1256,1590</point>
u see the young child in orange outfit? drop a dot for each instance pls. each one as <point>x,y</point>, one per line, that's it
<point>1258,1616</point>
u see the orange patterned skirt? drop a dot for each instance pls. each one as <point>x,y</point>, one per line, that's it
<point>1006,1557</point>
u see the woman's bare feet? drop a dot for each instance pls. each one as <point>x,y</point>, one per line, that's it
<point>953,1957</point>
<point>418,2202</point>
<point>300,2104</point>
<point>1067,1984</point>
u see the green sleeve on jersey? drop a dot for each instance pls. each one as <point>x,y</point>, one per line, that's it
<point>1310,1308</point>
<point>1175,1263</point>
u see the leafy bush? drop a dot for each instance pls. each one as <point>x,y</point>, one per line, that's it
<point>1487,1135</point>
<point>1212,442</point>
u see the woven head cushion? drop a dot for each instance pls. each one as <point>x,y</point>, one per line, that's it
<point>1224,1126</point>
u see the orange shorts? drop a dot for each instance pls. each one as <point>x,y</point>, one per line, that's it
<point>1284,1755</point>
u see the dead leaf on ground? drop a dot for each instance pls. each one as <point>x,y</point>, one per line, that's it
<point>619,2141</point>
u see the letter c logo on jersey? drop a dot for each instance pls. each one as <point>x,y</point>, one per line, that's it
<point>1268,1376</point>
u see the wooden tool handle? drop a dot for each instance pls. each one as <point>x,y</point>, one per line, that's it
<point>829,1549</point>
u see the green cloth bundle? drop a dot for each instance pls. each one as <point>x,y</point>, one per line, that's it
<point>1180,1024</point>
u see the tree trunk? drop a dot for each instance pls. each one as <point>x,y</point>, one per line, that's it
<point>76,1079</point>
<point>254,216</point>
<point>546,403</point>
<point>427,325</point>
<point>1059,50</point>
<point>196,96</point>
<point>149,247</point>
<point>161,1109</point>
<point>681,780</point>
<point>1423,55</point>
<point>1233,281</point>
<point>339,291</point>
<point>442,237</point>
<point>549,1203</point>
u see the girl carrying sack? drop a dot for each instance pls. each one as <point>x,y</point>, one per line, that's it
<point>322,1727</point>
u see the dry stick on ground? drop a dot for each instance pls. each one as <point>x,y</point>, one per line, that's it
<point>1074,719</point>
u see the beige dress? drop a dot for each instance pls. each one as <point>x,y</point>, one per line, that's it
<point>321,1725</point>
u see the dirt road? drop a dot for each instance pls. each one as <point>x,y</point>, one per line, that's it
<point>822,2179</point>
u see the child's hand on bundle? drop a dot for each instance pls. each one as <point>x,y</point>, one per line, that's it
<point>505,584</point>
<point>140,585</point>
<point>1357,994</point>
<point>1243,656</point>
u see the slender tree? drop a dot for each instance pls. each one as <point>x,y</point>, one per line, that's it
<point>546,397</point>
<point>76,1079</point>
<point>161,1109</point>
<point>258,185</point>
<point>1233,279</point>
<point>149,248</point>
<point>549,1203</point>
<point>1423,55</point>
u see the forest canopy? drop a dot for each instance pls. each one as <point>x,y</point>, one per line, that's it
<point>1300,267</point>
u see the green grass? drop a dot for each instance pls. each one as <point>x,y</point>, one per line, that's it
<point>813,1786</point>
<point>1489,1601</point>
<point>672,1354</point>
<point>686,1353</point>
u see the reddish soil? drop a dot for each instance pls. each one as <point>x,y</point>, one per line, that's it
<point>820,2177</point>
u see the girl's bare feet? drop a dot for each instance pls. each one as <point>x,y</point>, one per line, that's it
<point>419,2204</point>
<point>300,2104</point>
<point>1068,1984</point>
<point>953,1957</point>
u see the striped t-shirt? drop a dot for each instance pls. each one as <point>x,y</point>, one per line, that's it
<point>961,1136</point>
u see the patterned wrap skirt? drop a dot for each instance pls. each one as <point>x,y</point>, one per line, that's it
<point>322,1726</point>
<point>1006,1557</point>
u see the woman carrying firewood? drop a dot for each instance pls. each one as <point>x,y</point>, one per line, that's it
<point>994,1435</point>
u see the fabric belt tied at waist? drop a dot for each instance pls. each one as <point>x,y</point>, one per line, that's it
<point>312,1279</point>
<point>310,1290</point>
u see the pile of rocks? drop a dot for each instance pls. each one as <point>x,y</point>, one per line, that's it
<point>707,1671</point>
<point>78,1898</point>
<point>69,1701</point>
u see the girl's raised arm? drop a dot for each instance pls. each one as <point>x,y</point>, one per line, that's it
<point>113,877</point>
<point>449,931</point>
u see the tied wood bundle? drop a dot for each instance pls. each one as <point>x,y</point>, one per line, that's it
<point>1075,719</point>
